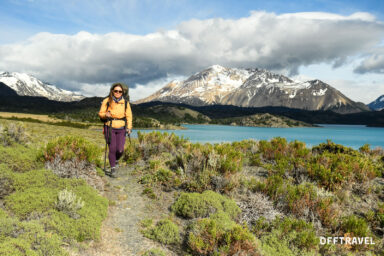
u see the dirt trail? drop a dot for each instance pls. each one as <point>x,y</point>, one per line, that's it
<point>120,234</point>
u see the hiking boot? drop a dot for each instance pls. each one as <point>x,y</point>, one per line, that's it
<point>113,172</point>
<point>107,172</point>
<point>117,164</point>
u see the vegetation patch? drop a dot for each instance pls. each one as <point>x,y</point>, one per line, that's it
<point>73,157</point>
<point>154,252</point>
<point>165,232</point>
<point>36,196</point>
<point>195,205</point>
<point>220,235</point>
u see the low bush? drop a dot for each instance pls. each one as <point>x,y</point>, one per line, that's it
<point>20,158</point>
<point>220,235</point>
<point>333,148</point>
<point>155,143</point>
<point>229,160</point>
<point>355,225</point>
<point>13,133</point>
<point>165,232</point>
<point>36,194</point>
<point>131,152</point>
<point>154,252</point>
<point>380,214</point>
<point>28,238</point>
<point>286,235</point>
<point>73,157</point>
<point>194,205</point>
<point>72,147</point>
<point>334,170</point>
<point>6,181</point>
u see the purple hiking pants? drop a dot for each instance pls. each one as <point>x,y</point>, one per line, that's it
<point>116,148</point>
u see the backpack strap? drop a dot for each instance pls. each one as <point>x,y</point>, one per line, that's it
<point>125,117</point>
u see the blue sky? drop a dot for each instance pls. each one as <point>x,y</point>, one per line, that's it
<point>30,27</point>
<point>142,17</point>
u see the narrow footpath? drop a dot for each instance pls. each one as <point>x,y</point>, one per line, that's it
<point>120,232</point>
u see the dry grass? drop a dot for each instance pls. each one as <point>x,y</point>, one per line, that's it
<point>42,133</point>
<point>44,118</point>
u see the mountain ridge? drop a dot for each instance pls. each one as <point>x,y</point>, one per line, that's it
<point>254,88</point>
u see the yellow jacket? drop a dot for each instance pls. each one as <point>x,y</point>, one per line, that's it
<point>117,111</point>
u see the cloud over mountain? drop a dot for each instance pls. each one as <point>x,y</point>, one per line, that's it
<point>266,40</point>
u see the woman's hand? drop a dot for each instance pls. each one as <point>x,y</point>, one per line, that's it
<point>108,114</point>
<point>129,131</point>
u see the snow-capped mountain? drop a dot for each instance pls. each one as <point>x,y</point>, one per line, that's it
<point>27,85</point>
<point>253,88</point>
<point>377,104</point>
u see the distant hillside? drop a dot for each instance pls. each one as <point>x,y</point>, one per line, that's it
<point>6,90</point>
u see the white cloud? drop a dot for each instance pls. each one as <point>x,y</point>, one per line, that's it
<point>373,63</point>
<point>362,91</point>
<point>265,40</point>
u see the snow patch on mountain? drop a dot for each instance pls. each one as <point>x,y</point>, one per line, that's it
<point>27,85</point>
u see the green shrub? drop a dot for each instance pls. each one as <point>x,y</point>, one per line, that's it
<point>148,191</point>
<point>194,205</point>
<point>355,225</point>
<point>281,156</point>
<point>33,200</point>
<point>333,171</point>
<point>36,193</point>
<point>28,238</point>
<point>230,160</point>
<point>165,232</point>
<point>154,143</point>
<point>20,158</point>
<point>287,235</point>
<point>16,247</point>
<point>219,235</point>
<point>6,181</point>
<point>380,214</point>
<point>273,186</point>
<point>199,181</point>
<point>131,152</point>
<point>333,148</point>
<point>13,133</point>
<point>301,198</point>
<point>154,252</point>
<point>327,212</point>
<point>72,148</point>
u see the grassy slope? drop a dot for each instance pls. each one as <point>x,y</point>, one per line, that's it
<point>30,221</point>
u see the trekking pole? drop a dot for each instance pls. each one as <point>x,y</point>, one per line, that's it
<point>107,141</point>
<point>105,155</point>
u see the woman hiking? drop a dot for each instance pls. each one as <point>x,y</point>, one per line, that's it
<point>116,114</point>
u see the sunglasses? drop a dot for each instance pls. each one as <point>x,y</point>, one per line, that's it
<point>117,91</point>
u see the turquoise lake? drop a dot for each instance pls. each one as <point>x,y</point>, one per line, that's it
<point>348,135</point>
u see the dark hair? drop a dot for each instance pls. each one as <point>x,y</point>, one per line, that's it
<point>113,88</point>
